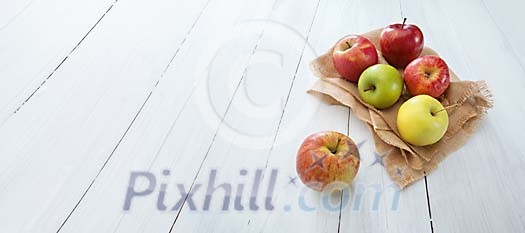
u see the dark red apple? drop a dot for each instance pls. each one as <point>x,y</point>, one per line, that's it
<point>427,75</point>
<point>352,55</point>
<point>327,157</point>
<point>401,43</point>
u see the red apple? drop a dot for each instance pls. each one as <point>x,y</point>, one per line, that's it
<point>427,75</point>
<point>327,157</point>
<point>352,55</point>
<point>401,43</point>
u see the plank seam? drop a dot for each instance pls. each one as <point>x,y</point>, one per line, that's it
<point>102,168</point>
<point>292,84</point>
<point>220,124</point>
<point>63,60</point>
<point>428,205</point>
<point>134,118</point>
<point>172,126</point>
<point>342,191</point>
<point>340,211</point>
<point>289,91</point>
<point>231,101</point>
<point>12,19</point>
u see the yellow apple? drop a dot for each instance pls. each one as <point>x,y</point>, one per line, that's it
<point>422,120</point>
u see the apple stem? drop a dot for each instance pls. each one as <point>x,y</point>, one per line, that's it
<point>404,21</point>
<point>349,46</point>
<point>370,89</point>
<point>336,145</point>
<point>445,108</point>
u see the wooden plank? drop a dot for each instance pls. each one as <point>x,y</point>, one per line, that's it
<point>26,62</point>
<point>478,188</point>
<point>170,133</point>
<point>57,144</point>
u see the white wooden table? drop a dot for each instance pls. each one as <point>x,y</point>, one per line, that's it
<point>95,91</point>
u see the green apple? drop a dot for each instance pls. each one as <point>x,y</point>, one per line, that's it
<point>380,85</point>
<point>422,120</point>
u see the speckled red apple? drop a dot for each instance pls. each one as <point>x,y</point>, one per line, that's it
<point>327,157</point>
<point>427,75</point>
<point>352,55</point>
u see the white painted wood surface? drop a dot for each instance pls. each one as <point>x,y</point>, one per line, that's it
<point>193,86</point>
<point>36,37</point>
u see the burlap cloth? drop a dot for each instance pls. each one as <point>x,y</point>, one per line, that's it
<point>406,163</point>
